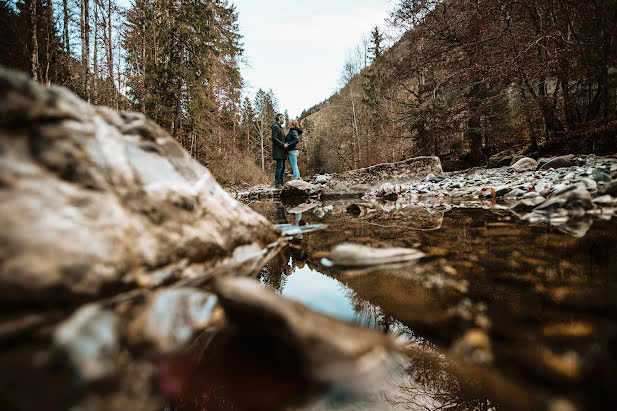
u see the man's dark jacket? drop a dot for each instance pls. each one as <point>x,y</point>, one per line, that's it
<point>278,142</point>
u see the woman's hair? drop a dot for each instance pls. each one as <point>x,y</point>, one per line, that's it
<point>294,123</point>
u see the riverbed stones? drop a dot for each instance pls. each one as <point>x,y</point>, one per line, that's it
<point>364,180</point>
<point>90,197</point>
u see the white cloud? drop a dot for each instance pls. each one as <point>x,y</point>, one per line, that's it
<point>299,49</point>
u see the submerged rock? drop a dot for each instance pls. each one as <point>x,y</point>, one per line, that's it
<point>90,198</point>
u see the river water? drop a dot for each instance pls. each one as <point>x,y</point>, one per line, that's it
<point>510,315</point>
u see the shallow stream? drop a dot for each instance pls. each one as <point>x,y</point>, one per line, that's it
<point>514,315</point>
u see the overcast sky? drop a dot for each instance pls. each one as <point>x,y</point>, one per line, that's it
<point>297,48</point>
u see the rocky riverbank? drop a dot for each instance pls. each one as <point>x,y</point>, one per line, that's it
<point>565,191</point>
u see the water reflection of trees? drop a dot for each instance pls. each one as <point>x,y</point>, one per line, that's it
<point>276,273</point>
<point>430,383</point>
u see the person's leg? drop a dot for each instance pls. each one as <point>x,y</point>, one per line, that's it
<point>293,161</point>
<point>280,169</point>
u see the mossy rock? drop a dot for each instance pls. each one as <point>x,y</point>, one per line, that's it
<point>501,159</point>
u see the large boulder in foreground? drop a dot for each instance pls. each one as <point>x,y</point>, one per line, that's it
<point>318,346</point>
<point>93,199</point>
<point>364,180</point>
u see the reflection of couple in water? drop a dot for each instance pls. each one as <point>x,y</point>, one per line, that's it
<point>284,147</point>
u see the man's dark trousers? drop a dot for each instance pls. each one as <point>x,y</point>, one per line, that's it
<point>280,170</point>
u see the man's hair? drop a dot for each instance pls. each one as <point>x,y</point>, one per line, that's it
<point>277,116</point>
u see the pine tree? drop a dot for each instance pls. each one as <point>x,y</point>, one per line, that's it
<point>376,43</point>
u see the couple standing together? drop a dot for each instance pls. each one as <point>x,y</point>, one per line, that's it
<point>284,147</point>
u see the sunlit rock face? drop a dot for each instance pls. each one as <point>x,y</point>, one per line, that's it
<point>91,199</point>
<point>364,180</point>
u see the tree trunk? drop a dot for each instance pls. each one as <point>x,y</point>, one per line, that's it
<point>85,46</point>
<point>67,44</point>
<point>51,32</point>
<point>95,57</point>
<point>35,42</point>
<point>110,55</point>
<point>521,74</point>
<point>263,163</point>
<point>178,110</point>
<point>143,68</point>
<point>355,129</point>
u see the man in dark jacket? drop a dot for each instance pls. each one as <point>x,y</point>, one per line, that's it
<point>279,149</point>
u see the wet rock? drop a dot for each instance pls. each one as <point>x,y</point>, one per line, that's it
<point>356,255</point>
<point>299,189</point>
<point>600,175</point>
<point>556,162</point>
<point>171,317</point>
<point>524,164</point>
<point>90,338</point>
<point>574,199</point>
<point>97,197</point>
<point>365,180</point>
<point>313,344</point>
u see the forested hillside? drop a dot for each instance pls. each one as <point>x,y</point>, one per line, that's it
<point>178,62</point>
<point>469,79</point>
